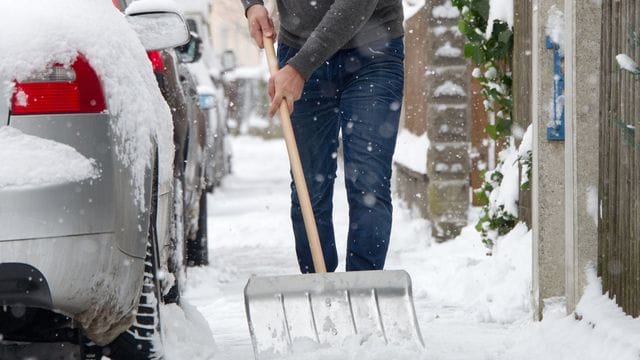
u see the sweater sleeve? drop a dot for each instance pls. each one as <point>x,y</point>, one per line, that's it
<point>249,3</point>
<point>339,25</point>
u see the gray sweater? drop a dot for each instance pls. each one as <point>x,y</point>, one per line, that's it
<point>319,28</point>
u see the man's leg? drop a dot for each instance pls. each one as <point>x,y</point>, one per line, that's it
<point>316,127</point>
<point>370,107</point>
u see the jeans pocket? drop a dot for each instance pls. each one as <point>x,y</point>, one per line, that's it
<point>393,47</point>
<point>285,52</point>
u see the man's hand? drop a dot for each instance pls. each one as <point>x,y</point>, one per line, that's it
<point>260,24</point>
<point>286,84</point>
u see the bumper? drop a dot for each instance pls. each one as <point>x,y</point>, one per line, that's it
<point>88,278</point>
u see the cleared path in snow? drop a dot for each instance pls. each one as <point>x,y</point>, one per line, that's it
<point>250,234</point>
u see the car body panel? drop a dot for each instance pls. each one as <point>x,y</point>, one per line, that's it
<point>189,135</point>
<point>69,208</point>
<point>79,207</point>
<point>195,159</point>
<point>100,295</point>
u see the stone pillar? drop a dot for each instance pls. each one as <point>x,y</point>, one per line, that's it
<point>448,122</point>
<point>582,68</point>
<point>436,102</point>
<point>548,170</point>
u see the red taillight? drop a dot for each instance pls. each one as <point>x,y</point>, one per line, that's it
<point>156,61</point>
<point>60,89</point>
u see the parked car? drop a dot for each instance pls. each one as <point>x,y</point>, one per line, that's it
<point>85,260</point>
<point>207,74</point>
<point>219,153</point>
<point>190,132</point>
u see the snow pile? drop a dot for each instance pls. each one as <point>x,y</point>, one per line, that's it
<point>627,63</point>
<point>445,11</point>
<point>38,33</point>
<point>411,151</point>
<point>32,161</point>
<point>449,51</point>
<point>411,7</point>
<point>145,6</point>
<point>459,273</point>
<point>592,203</point>
<point>555,26</point>
<point>604,333</point>
<point>449,88</point>
<point>505,197</point>
<point>499,10</point>
<point>186,333</point>
<point>441,30</point>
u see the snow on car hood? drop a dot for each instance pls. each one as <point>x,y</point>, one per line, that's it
<point>36,33</point>
<point>23,157</point>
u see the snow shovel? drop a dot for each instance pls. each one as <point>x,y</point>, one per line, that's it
<point>289,313</point>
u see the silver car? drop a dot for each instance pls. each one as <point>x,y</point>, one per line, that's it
<point>84,260</point>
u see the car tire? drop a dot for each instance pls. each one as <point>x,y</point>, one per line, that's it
<point>198,248</point>
<point>143,339</point>
<point>178,257</point>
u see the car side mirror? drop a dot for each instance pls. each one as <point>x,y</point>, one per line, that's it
<point>191,51</point>
<point>158,25</point>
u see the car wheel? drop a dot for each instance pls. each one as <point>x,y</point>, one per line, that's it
<point>178,258</point>
<point>197,249</point>
<point>143,340</point>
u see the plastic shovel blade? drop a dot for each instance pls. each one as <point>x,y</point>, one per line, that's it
<point>329,308</point>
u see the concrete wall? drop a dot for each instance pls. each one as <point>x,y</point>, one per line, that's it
<point>548,195</point>
<point>583,67</point>
<point>565,173</point>
<point>230,31</point>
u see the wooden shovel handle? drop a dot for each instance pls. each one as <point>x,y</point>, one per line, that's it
<point>296,168</point>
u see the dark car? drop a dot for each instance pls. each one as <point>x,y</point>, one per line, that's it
<point>190,134</point>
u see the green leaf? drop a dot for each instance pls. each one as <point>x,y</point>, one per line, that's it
<point>481,7</point>
<point>491,131</point>
<point>474,52</point>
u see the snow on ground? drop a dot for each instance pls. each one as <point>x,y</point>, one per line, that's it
<point>500,10</point>
<point>470,306</point>
<point>411,151</point>
<point>33,161</point>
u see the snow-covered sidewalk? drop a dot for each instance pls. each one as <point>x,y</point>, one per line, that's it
<point>469,305</point>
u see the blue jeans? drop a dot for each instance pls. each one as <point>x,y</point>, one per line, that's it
<point>358,91</point>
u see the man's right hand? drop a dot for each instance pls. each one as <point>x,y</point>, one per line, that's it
<point>260,24</point>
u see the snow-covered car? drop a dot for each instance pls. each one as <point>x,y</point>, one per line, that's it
<point>86,168</point>
<point>189,135</point>
<point>219,153</point>
<point>212,93</point>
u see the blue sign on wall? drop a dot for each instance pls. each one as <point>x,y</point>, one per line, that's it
<point>555,128</point>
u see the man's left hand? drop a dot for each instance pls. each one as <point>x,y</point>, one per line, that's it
<point>286,84</point>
